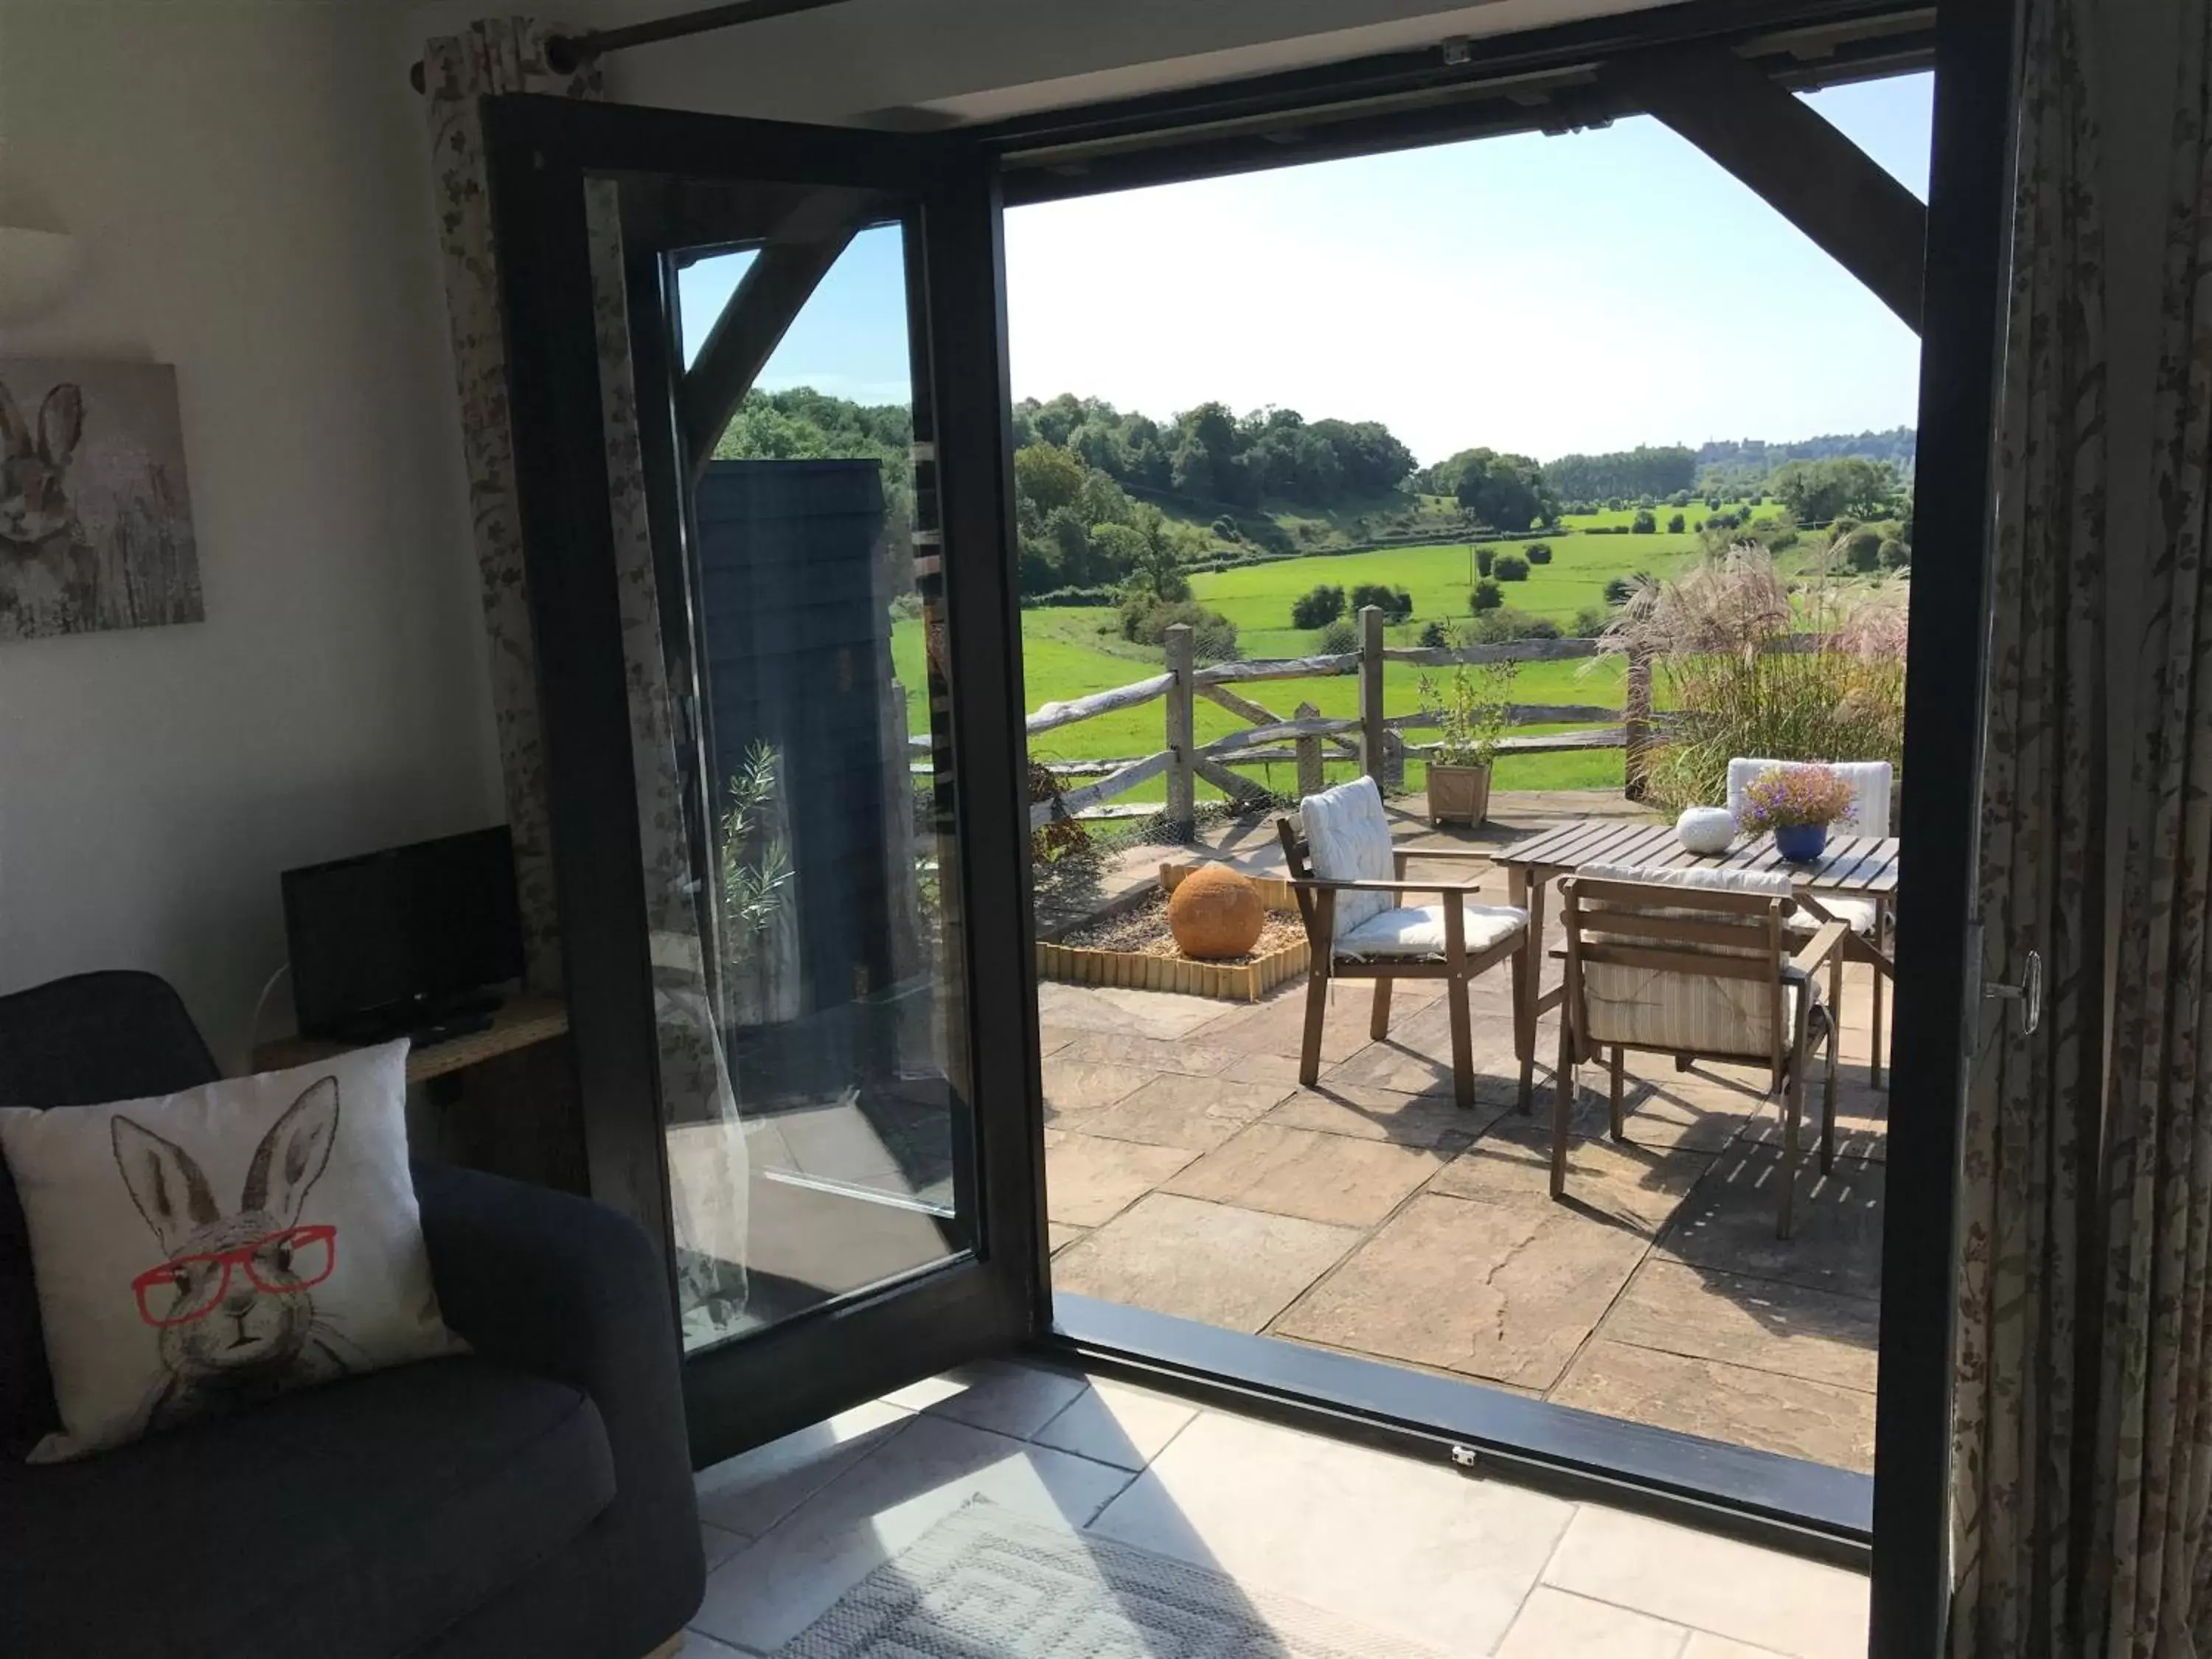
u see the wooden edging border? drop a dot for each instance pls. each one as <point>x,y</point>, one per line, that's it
<point>1135,971</point>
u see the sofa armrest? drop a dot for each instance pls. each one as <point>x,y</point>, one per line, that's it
<point>559,1286</point>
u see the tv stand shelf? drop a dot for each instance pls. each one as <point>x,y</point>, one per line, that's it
<point>521,1021</point>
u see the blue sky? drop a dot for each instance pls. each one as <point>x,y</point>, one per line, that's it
<point>1587,292</point>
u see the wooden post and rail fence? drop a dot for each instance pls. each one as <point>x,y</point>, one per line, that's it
<point>1307,739</point>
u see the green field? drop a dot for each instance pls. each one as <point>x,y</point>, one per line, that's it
<point>1070,653</point>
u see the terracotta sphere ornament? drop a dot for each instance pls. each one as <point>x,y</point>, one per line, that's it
<point>1215,912</point>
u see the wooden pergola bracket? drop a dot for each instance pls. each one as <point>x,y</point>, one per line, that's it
<point>1800,165</point>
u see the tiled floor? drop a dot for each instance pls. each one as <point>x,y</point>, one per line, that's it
<point>1457,1562</point>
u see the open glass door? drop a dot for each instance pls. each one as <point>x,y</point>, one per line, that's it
<point>794,946</point>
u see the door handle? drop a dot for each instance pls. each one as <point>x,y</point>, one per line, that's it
<point>2028,993</point>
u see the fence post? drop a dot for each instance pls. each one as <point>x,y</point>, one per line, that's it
<point>1372,760</point>
<point>1636,723</point>
<point>1311,779</point>
<point>1182,801</point>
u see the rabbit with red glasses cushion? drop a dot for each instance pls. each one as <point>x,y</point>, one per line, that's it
<point>218,1247</point>
<point>49,571</point>
<point>233,1301</point>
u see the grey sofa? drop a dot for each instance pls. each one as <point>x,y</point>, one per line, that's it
<point>532,1499</point>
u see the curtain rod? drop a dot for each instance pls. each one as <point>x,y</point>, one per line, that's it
<point>566,53</point>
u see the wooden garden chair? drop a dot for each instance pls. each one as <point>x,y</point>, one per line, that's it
<point>1351,885</point>
<point>1705,974</point>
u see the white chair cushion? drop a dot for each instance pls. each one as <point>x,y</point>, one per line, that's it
<point>1418,930</point>
<point>1349,839</point>
<point>1869,780</point>
<point>1855,914</point>
<point>1775,884</point>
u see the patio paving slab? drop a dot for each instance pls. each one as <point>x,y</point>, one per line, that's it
<point>1640,1188</point>
<point>1227,1267</point>
<point>1276,1025</point>
<point>1728,1223</point>
<point>1088,1181</point>
<point>1431,1121</point>
<point>1110,1008</point>
<point>1503,1291</point>
<point>1059,1236</point>
<point>1766,1324</point>
<point>1761,1409</point>
<point>1192,1057</point>
<point>1416,1057</point>
<point>1196,1114</point>
<point>1303,1172</point>
<point>1072,1087</point>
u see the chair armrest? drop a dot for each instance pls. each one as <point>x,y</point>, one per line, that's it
<point>560,1287</point>
<point>1482,853</point>
<point>1818,949</point>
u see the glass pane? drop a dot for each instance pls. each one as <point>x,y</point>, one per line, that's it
<point>821,1148</point>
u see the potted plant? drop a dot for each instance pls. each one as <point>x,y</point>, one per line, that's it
<point>1797,804</point>
<point>1471,711</point>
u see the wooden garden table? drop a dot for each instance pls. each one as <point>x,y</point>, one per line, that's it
<point>1855,866</point>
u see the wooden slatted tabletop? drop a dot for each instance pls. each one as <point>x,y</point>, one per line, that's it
<point>1852,864</point>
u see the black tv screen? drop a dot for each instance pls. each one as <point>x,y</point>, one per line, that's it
<point>378,940</point>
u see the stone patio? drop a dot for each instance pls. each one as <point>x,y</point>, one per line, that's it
<point>1188,1171</point>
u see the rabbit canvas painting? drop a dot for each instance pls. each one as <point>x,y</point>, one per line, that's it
<point>95,522</point>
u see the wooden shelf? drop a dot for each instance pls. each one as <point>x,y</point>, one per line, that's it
<point>521,1021</point>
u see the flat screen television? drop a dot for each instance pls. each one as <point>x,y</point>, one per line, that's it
<point>391,940</point>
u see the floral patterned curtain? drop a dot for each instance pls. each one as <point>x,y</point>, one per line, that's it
<point>708,1162</point>
<point>498,55</point>
<point>2030,1129</point>
<point>2153,1464</point>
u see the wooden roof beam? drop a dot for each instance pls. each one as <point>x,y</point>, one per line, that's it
<point>1800,165</point>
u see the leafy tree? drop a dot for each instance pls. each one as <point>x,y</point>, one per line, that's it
<point>1395,603</point>
<point>1317,607</point>
<point>1483,558</point>
<point>1539,552</point>
<point>1511,568</point>
<point>1147,621</point>
<point>1049,475</point>
<point>1506,491</point>
<point>1486,596</point>
<point>1674,524</point>
<point>1846,486</point>
<point>1643,524</point>
<point>1116,551</point>
<point>1667,471</point>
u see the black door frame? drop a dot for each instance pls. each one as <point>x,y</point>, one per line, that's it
<point>1898,1522</point>
<point>541,151</point>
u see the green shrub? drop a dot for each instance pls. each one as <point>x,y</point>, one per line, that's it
<point>1147,621</point>
<point>1317,607</point>
<point>1539,552</point>
<point>1510,567</point>
<point>1895,554</point>
<point>1507,623</point>
<point>1674,524</point>
<point>1592,620</point>
<point>1483,558</point>
<point>1861,549</point>
<point>1621,589</point>
<point>1395,603</point>
<point>1226,528</point>
<point>1340,636</point>
<point>1643,524</point>
<point>1485,597</point>
<point>1436,634</point>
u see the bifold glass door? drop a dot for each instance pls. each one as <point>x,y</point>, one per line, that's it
<point>772,592</point>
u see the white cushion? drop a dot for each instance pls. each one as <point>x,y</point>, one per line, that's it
<point>1869,782</point>
<point>1418,930</point>
<point>1775,884</point>
<point>1855,914</point>
<point>1349,839</point>
<point>310,1165</point>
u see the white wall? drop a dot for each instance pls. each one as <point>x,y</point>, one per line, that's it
<point>250,186</point>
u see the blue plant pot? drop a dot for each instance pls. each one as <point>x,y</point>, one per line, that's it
<point>1802,842</point>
